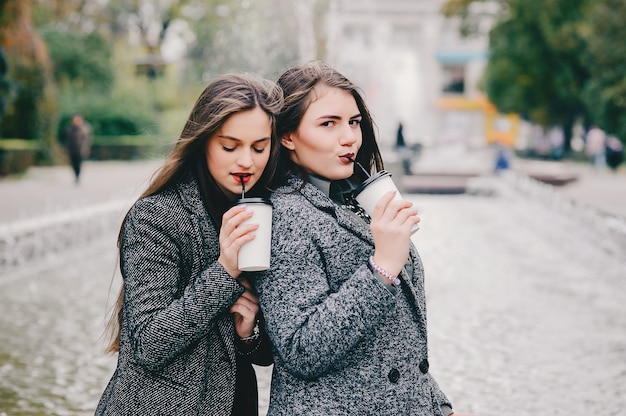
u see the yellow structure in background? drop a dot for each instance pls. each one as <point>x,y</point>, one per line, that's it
<point>498,127</point>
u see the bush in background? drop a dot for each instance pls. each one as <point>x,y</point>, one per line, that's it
<point>16,155</point>
<point>129,147</point>
<point>80,59</point>
<point>118,115</point>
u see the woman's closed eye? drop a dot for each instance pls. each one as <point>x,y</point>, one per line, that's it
<point>232,149</point>
<point>259,149</point>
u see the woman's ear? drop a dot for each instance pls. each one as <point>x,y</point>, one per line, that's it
<point>287,141</point>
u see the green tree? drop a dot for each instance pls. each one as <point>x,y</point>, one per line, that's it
<point>81,47</point>
<point>31,114</point>
<point>605,93</point>
<point>80,59</point>
<point>473,14</point>
<point>536,62</point>
<point>5,85</point>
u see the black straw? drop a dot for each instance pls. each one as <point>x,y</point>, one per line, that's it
<point>360,166</point>
<point>243,186</point>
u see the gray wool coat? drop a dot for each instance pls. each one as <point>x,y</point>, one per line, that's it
<point>177,350</point>
<point>345,343</point>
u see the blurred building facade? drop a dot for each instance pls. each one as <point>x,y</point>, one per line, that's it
<point>413,66</point>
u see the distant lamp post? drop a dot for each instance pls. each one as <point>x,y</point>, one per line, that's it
<point>150,66</point>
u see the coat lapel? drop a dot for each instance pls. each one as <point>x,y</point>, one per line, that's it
<point>414,283</point>
<point>344,217</point>
<point>191,195</point>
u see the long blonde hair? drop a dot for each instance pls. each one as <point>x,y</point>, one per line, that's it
<point>223,97</point>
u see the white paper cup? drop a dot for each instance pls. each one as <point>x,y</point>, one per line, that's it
<point>255,255</point>
<point>373,188</point>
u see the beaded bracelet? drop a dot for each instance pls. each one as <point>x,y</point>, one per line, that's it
<point>253,350</point>
<point>384,273</point>
<point>256,333</point>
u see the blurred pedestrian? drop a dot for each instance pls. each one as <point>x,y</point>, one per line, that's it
<point>614,152</point>
<point>186,322</point>
<point>78,136</point>
<point>556,137</point>
<point>403,151</point>
<point>595,147</point>
<point>344,297</point>
<point>503,156</point>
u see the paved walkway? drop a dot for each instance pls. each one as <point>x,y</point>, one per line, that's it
<point>604,191</point>
<point>44,213</point>
<point>50,191</point>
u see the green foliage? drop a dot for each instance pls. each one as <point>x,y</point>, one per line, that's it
<point>80,59</point>
<point>129,140</point>
<point>472,13</point>
<point>605,93</point>
<point>124,113</point>
<point>535,66</point>
<point>18,144</point>
<point>94,63</point>
<point>129,147</point>
<point>22,117</point>
<point>31,109</point>
<point>5,85</point>
<point>553,61</point>
<point>16,155</point>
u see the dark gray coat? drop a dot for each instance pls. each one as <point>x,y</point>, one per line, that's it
<point>345,344</point>
<point>177,353</point>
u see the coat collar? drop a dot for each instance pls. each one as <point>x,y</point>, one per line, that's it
<point>322,201</point>
<point>190,194</point>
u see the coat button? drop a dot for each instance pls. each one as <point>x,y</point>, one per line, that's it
<point>393,375</point>
<point>424,366</point>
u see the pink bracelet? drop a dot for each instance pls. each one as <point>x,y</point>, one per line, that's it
<point>384,273</point>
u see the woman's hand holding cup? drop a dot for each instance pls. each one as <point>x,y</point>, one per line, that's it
<point>233,235</point>
<point>391,224</point>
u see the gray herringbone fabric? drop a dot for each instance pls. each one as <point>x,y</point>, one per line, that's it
<point>344,344</point>
<point>177,354</point>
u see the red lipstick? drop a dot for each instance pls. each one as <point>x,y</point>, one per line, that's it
<point>347,157</point>
<point>242,177</point>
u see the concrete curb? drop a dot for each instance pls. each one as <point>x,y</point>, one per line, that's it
<point>34,238</point>
<point>601,223</point>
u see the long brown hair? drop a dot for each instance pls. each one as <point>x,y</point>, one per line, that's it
<point>223,97</point>
<point>298,84</point>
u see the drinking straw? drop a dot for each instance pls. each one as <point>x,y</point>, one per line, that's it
<point>360,166</point>
<point>243,186</point>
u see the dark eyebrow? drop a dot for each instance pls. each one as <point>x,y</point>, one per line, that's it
<point>339,118</point>
<point>330,117</point>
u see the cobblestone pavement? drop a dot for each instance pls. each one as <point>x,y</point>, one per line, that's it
<point>527,307</point>
<point>45,191</point>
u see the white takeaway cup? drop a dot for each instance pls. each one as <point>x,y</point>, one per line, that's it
<point>255,254</point>
<point>373,188</point>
